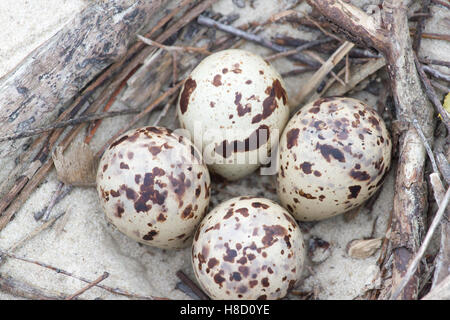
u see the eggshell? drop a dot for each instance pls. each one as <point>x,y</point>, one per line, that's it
<point>154,187</point>
<point>333,155</point>
<point>233,104</point>
<point>248,248</point>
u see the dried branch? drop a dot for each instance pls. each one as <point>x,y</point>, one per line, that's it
<point>89,286</point>
<point>173,48</point>
<point>108,105</point>
<point>420,26</point>
<point>436,36</point>
<point>35,232</point>
<point>25,290</point>
<point>426,145</point>
<point>431,94</point>
<point>47,79</point>
<point>66,273</point>
<point>337,56</point>
<point>191,284</point>
<point>163,112</point>
<point>439,86</point>
<point>436,73</point>
<point>140,115</point>
<point>322,62</point>
<point>435,62</point>
<point>442,3</point>
<point>169,16</point>
<point>202,20</point>
<point>66,123</point>
<point>415,262</point>
<point>359,74</point>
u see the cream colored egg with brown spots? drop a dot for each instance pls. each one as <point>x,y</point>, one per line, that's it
<point>154,187</point>
<point>333,156</point>
<point>248,248</point>
<point>234,105</point>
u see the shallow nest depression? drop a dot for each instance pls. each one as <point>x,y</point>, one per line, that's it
<point>49,225</point>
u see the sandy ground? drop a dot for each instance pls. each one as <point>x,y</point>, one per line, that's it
<point>83,243</point>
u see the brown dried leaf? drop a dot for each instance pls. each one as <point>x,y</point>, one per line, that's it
<point>362,249</point>
<point>77,167</point>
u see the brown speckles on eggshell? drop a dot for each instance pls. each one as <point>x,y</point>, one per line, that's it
<point>217,80</point>
<point>154,150</point>
<point>124,166</point>
<point>306,195</point>
<point>329,151</point>
<point>189,87</point>
<point>241,110</point>
<point>276,91</point>
<point>271,234</point>
<point>359,175</point>
<point>150,235</point>
<point>243,211</point>
<point>257,204</point>
<point>292,136</point>
<point>306,167</point>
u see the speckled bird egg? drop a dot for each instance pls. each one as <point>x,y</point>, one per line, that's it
<point>333,155</point>
<point>154,186</point>
<point>234,104</point>
<point>248,248</point>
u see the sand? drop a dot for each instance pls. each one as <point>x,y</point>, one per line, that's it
<point>83,243</point>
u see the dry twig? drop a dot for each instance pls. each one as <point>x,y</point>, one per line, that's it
<point>90,285</point>
<point>66,273</point>
<point>436,73</point>
<point>420,26</point>
<point>253,38</point>
<point>431,94</point>
<point>415,262</point>
<point>441,2</point>
<point>70,122</point>
<point>337,56</point>
<point>140,115</point>
<point>191,284</point>
<point>358,75</point>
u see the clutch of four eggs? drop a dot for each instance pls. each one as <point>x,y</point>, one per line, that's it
<point>154,183</point>
<point>332,154</point>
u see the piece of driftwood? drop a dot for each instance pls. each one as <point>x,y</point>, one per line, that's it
<point>25,290</point>
<point>391,38</point>
<point>33,93</point>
